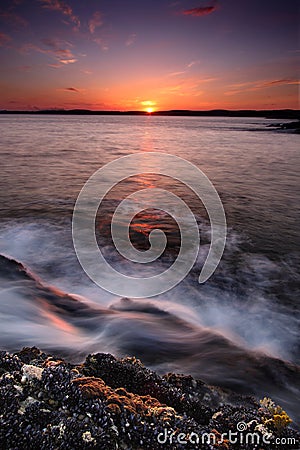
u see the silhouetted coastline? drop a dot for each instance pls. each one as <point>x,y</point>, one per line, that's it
<point>268,114</point>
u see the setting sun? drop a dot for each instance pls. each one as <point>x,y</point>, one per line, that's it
<point>149,106</point>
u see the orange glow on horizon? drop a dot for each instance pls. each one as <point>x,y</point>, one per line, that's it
<point>69,54</point>
<point>149,104</point>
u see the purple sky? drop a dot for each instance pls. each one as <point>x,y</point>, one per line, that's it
<point>139,54</point>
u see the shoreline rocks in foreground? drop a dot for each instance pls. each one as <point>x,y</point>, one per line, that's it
<point>109,403</point>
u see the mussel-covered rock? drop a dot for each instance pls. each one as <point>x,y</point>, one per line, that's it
<point>109,403</point>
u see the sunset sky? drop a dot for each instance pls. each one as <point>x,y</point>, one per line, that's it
<point>139,54</point>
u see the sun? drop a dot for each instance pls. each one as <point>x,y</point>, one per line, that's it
<point>149,106</point>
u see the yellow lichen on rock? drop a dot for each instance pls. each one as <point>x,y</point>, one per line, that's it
<point>279,420</point>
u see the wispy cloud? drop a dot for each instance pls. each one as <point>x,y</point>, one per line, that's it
<point>68,61</point>
<point>176,74</point>
<point>184,70</point>
<point>130,40</point>
<point>13,19</point>
<point>187,86</point>
<point>280,82</point>
<point>4,39</point>
<point>95,22</point>
<point>55,66</point>
<point>148,103</point>
<point>193,63</point>
<point>101,43</point>
<point>57,5</point>
<point>200,11</point>
<point>66,10</point>
<point>24,68</point>
<point>71,89</point>
<point>60,50</point>
<point>261,84</point>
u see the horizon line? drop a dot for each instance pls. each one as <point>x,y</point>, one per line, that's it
<point>287,113</point>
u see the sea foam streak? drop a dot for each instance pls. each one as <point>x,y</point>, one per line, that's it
<point>36,314</point>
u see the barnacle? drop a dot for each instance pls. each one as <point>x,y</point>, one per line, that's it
<point>268,404</point>
<point>279,418</point>
<point>109,403</point>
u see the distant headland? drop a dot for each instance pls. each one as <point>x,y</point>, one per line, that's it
<point>268,114</point>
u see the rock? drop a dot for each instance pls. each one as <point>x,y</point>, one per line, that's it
<point>31,372</point>
<point>108,403</point>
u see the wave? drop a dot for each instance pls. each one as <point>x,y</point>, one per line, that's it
<point>162,335</point>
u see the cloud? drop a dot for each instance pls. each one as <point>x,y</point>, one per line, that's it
<point>4,39</point>
<point>280,82</point>
<point>66,10</point>
<point>148,103</point>
<point>184,70</point>
<point>57,5</point>
<point>190,86</point>
<point>55,66</point>
<point>257,85</point>
<point>95,22</point>
<point>71,89</point>
<point>176,74</point>
<point>130,40</point>
<point>13,19</point>
<point>200,11</point>
<point>24,68</point>
<point>101,43</point>
<point>56,48</point>
<point>68,61</point>
<point>55,43</point>
<point>172,89</point>
<point>193,63</point>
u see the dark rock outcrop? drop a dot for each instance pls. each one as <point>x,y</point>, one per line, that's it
<point>108,403</point>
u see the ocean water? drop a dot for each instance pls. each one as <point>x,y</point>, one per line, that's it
<point>240,329</point>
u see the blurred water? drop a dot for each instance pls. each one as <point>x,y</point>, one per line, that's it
<point>252,299</point>
<point>46,159</point>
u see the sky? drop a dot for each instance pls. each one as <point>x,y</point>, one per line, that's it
<point>149,54</point>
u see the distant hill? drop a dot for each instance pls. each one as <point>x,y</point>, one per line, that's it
<point>269,114</point>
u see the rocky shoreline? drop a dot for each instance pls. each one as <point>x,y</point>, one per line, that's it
<point>109,403</point>
<point>292,127</point>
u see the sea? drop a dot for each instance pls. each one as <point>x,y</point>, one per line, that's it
<point>238,330</point>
